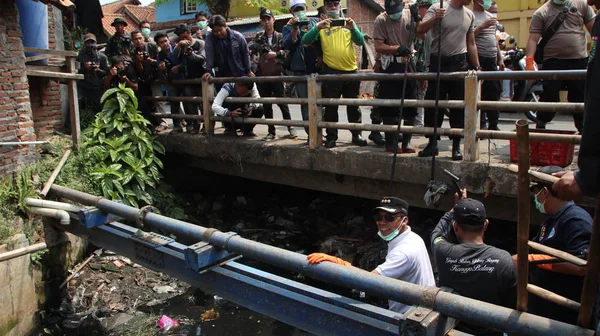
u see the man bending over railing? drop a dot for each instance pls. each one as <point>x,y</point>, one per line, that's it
<point>238,110</point>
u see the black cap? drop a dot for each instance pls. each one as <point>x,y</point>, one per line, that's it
<point>393,205</point>
<point>469,212</point>
<point>266,12</point>
<point>182,28</point>
<point>548,170</point>
<point>119,21</point>
<point>393,6</point>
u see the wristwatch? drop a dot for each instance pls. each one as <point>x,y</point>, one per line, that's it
<point>477,68</point>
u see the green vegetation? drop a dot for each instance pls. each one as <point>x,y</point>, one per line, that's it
<point>13,192</point>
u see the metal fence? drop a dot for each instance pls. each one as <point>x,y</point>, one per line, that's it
<point>471,105</point>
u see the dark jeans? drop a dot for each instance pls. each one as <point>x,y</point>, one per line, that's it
<point>393,90</point>
<point>490,90</point>
<point>337,89</point>
<point>302,92</point>
<point>145,105</point>
<point>246,128</point>
<point>575,87</point>
<point>273,90</point>
<point>449,90</point>
<point>90,97</point>
<point>189,108</point>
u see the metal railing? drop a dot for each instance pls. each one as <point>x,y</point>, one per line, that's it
<point>471,105</point>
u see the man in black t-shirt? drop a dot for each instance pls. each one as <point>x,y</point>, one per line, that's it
<point>469,266</point>
<point>120,72</point>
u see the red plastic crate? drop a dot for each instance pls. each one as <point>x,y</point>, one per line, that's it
<point>546,153</point>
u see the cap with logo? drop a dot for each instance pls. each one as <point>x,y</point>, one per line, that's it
<point>89,37</point>
<point>297,3</point>
<point>119,21</point>
<point>469,212</point>
<point>393,6</point>
<point>393,205</point>
<point>266,12</point>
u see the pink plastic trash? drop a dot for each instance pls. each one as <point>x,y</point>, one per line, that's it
<point>166,322</point>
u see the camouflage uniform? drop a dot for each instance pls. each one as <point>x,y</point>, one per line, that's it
<point>118,46</point>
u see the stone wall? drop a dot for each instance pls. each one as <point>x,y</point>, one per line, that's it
<point>16,123</point>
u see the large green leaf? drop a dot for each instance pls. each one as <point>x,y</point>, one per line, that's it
<point>108,93</point>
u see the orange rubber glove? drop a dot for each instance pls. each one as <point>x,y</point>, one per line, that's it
<point>316,258</point>
<point>529,63</point>
<point>565,267</point>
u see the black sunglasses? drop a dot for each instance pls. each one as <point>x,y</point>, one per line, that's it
<point>386,217</point>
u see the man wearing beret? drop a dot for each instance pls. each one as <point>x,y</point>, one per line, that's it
<point>407,258</point>
<point>468,265</point>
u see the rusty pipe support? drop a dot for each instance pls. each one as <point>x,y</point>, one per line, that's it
<point>523,213</point>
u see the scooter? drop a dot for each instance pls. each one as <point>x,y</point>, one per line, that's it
<point>522,90</point>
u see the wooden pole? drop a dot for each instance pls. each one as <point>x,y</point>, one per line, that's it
<point>471,117</point>
<point>553,297</point>
<point>55,173</point>
<point>590,282</point>
<point>209,127</point>
<point>524,213</point>
<point>315,134</point>
<point>73,104</point>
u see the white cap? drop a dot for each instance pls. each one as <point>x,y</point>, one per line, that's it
<point>294,3</point>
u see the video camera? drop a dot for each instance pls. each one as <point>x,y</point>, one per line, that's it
<point>125,41</point>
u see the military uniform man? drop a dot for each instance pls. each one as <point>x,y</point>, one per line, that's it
<point>392,42</point>
<point>120,43</point>
<point>268,44</point>
<point>489,58</point>
<point>458,52</point>
<point>565,50</point>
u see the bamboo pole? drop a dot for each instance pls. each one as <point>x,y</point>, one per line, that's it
<point>523,213</point>
<point>22,251</point>
<point>553,297</point>
<point>472,87</point>
<point>55,173</point>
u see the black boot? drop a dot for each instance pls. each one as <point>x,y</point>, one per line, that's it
<point>358,140</point>
<point>430,150</point>
<point>456,154</point>
<point>377,138</point>
<point>330,142</point>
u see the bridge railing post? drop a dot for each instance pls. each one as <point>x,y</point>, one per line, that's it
<point>209,126</point>
<point>471,127</point>
<point>315,133</point>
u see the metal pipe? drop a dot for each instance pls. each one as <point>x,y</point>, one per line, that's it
<point>523,209</point>
<point>64,217</point>
<point>453,104</point>
<point>523,106</point>
<point>391,77</point>
<point>34,202</point>
<point>557,253</point>
<point>269,100</point>
<point>260,79</point>
<point>553,297</point>
<point>590,282</point>
<point>465,309</point>
<point>536,137</point>
<point>23,143</point>
<point>533,75</point>
<point>179,116</point>
<point>22,251</point>
<point>259,121</point>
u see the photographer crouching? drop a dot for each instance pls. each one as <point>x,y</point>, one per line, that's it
<point>120,72</point>
<point>238,110</point>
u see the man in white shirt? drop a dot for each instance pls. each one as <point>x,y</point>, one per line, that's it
<point>407,258</point>
<point>238,110</point>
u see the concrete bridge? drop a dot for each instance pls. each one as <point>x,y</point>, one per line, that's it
<point>352,170</point>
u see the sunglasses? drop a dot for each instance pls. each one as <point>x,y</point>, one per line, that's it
<point>386,217</point>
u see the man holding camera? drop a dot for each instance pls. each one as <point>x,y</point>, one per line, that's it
<point>394,45</point>
<point>120,73</point>
<point>94,67</point>
<point>120,43</point>
<point>238,110</point>
<point>144,61</point>
<point>337,36</point>
<point>190,52</point>
<point>170,67</point>
<point>302,59</point>
<point>268,44</point>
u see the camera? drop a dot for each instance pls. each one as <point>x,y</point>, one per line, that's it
<point>168,63</point>
<point>245,112</point>
<point>189,50</point>
<point>145,55</point>
<point>125,41</point>
<point>121,72</point>
<point>94,65</point>
<point>338,23</point>
<point>302,23</point>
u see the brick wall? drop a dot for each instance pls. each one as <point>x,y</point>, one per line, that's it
<point>363,15</point>
<point>45,93</point>
<point>16,122</point>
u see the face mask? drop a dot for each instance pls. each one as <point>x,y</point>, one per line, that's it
<point>333,14</point>
<point>538,204</point>
<point>201,24</point>
<point>146,32</point>
<point>392,235</point>
<point>396,16</point>
<point>559,2</point>
<point>494,15</point>
<point>486,4</point>
<point>300,15</point>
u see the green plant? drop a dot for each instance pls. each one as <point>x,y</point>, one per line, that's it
<point>121,150</point>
